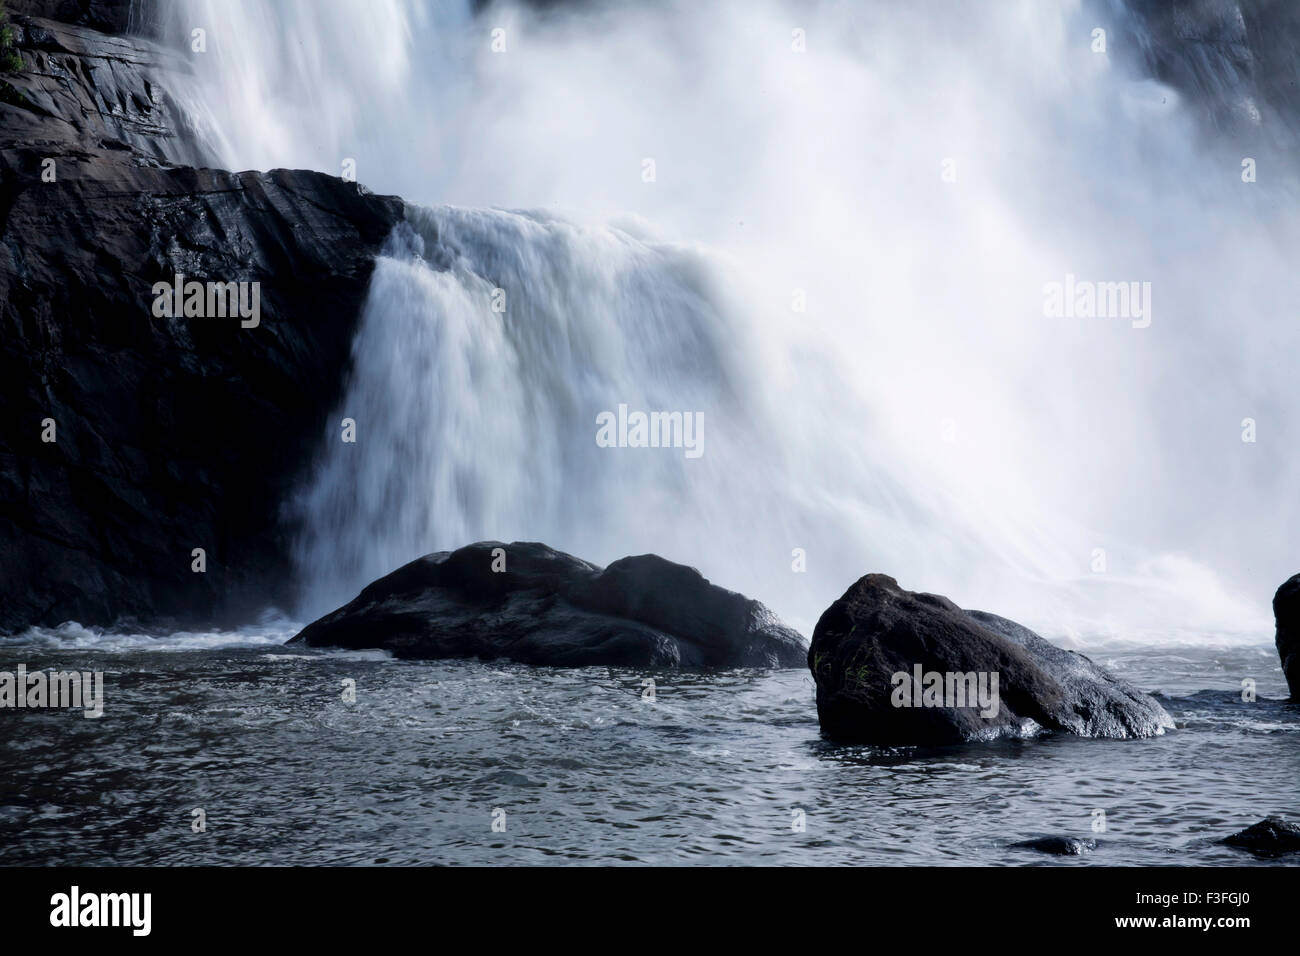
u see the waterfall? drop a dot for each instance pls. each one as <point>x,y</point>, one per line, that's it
<point>829,231</point>
<point>489,344</point>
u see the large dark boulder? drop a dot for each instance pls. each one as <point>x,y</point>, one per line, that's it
<point>172,433</point>
<point>548,607</point>
<point>1286,611</point>
<point>994,679</point>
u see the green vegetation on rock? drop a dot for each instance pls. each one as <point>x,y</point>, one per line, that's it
<point>10,59</point>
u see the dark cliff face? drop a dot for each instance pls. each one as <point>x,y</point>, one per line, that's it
<point>171,433</point>
<point>106,16</point>
<point>81,90</point>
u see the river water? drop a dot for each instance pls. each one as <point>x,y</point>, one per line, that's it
<point>579,767</point>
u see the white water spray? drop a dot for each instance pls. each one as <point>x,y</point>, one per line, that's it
<point>862,323</point>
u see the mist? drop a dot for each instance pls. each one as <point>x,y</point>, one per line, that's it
<point>840,260</point>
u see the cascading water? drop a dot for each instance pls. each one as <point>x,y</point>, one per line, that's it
<point>478,421</point>
<point>862,326</point>
<point>477,380</point>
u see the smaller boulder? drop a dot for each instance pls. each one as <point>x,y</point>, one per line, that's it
<point>1058,845</point>
<point>897,668</point>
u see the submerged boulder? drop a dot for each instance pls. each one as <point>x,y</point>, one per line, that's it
<point>894,667</point>
<point>1286,610</point>
<point>1058,845</point>
<point>526,602</point>
<point>1272,836</point>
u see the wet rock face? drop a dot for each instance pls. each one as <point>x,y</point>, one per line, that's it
<point>1235,61</point>
<point>894,667</point>
<point>84,90</point>
<point>526,602</point>
<point>1286,611</point>
<point>169,434</point>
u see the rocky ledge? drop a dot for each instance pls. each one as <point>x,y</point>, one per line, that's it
<point>896,668</point>
<point>526,602</point>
